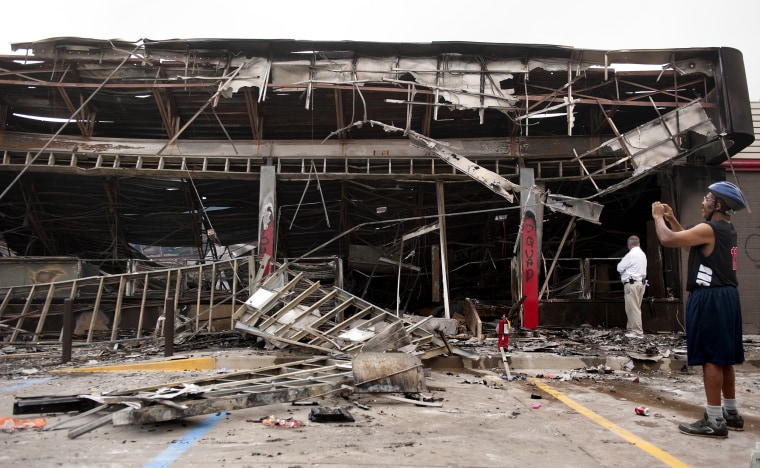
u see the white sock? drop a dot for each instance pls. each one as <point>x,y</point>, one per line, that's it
<point>714,413</point>
<point>730,405</point>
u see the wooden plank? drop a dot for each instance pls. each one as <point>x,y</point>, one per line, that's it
<point>472,319</point>
<point>306,312</point>
<point>101,421</point>
<point>144,298</point>
<point>117,312</point>
<point>168,281</point>
<point>284,309</point>
<point>6,300</point>
<point>262,267</point>
<point>251,318</point>
<point>63,422</point>
<point>317,364</point>
<point>362,326</point>
<point>334,313</point>
<point>24,311</point>
<point>344,324</point>
<point>95,309</point>
<point>392,338</point>
<point>365,326</point>
<point>45,310</point>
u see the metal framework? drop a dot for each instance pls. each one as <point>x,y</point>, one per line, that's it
<point>106,145</point>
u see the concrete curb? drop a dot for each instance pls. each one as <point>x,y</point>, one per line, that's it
<point>528,362</point>
<point>184,364</point>
<point>519,362</point>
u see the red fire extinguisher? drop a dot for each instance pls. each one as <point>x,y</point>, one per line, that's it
<point>503,332</point>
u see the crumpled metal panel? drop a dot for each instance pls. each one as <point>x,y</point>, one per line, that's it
<point>583,209</point>
<point>658,141</point>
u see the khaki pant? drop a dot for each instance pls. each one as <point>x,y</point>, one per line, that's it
<point>634,293</point>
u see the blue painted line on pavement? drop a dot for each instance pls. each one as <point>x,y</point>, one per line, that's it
<point>25,383</point>
<point>176,449</point>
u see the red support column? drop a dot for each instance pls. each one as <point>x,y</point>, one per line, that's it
<point>267,218</point>
<point>529,252</point>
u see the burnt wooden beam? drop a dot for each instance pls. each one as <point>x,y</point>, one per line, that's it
<point>339,120</point>
<point>79,119</point>
<point>167,108</point>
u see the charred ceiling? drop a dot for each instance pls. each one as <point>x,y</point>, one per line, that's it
<point>110,144</point>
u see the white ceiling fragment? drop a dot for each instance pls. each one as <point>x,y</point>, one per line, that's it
<point>253,73</point>
<point>376,69</point>
<point>462,82</point>
<point>291,72</point>
<point>334,71</point>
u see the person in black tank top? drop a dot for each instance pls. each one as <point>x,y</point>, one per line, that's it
<point>713,310</point>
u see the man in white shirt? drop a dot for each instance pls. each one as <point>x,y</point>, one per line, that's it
<point>633,273</point>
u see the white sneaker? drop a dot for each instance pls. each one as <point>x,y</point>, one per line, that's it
<point>633,335</point>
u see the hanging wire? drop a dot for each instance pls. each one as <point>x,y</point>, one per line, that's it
<point>312,168</point>
<point>219,91</point>
<point>219,121</point>
<point>207,220</point>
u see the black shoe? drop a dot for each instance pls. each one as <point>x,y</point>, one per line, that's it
<point>705,428</point>
<point>734,422</point>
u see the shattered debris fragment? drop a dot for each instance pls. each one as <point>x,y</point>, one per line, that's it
<point>8,424</point>
<point>323,414</point>
<point>288,423</point>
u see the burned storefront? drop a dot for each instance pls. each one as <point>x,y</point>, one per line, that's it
<point>430,179</point>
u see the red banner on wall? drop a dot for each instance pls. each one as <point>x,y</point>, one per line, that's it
<point>266,238</point>
<point>529,271</point>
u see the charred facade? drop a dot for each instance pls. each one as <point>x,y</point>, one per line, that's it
<point>122,153</point>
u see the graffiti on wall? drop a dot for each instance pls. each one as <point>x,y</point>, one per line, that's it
<point>530,271</point>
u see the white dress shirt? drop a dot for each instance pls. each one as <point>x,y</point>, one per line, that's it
<point>633,265</point>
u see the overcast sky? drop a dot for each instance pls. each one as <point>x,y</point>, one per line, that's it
<point>584,24</point>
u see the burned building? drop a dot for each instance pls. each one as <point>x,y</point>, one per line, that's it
<point>400,172</point>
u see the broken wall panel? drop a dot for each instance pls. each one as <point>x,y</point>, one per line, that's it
<point>16,272</point>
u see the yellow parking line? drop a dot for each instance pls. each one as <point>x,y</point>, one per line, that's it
<point>661,455</point>
<point>202,363</point>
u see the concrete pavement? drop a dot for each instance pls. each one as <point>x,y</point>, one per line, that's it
<point>582,419</point>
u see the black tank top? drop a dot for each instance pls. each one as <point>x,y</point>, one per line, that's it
<point>719,268</point>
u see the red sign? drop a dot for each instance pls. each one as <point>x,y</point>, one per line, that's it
<point>529,271</point>
<point>266,238</point>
